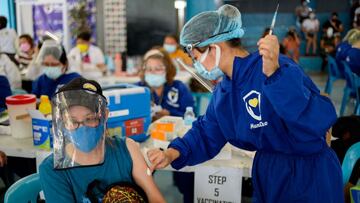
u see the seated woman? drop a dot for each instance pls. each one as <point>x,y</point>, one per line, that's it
<point>83,155</point>
<point>52,58</point>
<point>353,55</point>
<point>169,96</point>
<point>342,48</point>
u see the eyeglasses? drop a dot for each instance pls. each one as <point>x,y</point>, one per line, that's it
<point>188,48</point>
<point>157,69</point>
<point>71,124</point>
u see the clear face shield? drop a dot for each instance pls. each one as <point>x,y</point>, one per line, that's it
<point>79,120</point>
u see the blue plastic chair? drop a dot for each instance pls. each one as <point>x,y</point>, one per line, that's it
<point>24,190</point>
<point>198,97</point>
<point>355,194</point>
<point>351,89</point>
<point>351,157</point>
<point>334,74</point>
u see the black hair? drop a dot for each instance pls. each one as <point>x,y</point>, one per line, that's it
<point>347,124</point>
<point>334,14</point>
<point>63,58</point>
<point>3,22</point>
<point>234,43</point>
<point>84,36</point>
<point>28,38</point>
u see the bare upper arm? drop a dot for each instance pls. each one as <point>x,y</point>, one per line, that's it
<point>140,175</point>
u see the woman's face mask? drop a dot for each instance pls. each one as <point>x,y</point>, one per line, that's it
<point>170,48</point>
<point>214,72</point>
<point>155,72</point>
<point>52,72</point>
<point>85,138</point>
<point>84,129</point>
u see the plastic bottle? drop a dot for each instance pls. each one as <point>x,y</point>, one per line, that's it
<point>118,64</point>
<point>45,106</point>
<point>189,116</point>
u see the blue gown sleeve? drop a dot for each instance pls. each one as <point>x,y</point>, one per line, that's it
<point>5,91</point>
<point>36,87</point>
<point>185,100</point>
<point>296,99</point>
<point>54,184</point>
<point>202,142</point>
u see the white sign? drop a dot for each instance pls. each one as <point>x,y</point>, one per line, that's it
<point>217,185</point>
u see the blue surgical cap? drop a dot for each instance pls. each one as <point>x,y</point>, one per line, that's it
<point>212,27</point>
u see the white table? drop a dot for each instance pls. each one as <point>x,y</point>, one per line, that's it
<point>183,76</point>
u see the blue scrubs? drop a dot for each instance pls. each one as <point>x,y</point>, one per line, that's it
<point>175,98</point>
<point>284,118</point>
<point>5,91</point>
<point>46,86</point>
<point>341,53</point>
<point>353,59</point>
<point>70,185</point>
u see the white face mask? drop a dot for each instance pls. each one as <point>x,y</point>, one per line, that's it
<point>215,73</point>
<point>52,72</point>
<point>329,32</point>
<point>170,48</point>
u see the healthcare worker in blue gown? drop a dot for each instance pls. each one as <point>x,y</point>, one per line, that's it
<point>266,103</point>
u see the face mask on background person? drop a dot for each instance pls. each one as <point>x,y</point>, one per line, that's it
<point>329,32</point>
<point>83,47</point>
<point>155,80</point>
<point>25,47</point>
<point>52,72</point>
<point>215,73</point>
<point>170,48</point>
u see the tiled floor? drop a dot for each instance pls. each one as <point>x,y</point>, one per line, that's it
<point>164,178</point>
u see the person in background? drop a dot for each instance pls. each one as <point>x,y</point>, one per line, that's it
<point>291,44</point>
<point>327,46</point>
<point>86,58</point>
<point>10,70</point>
<point>310,27</point>
<point>5,91</point>
<point>26,51</point>
<point>169,96</point>
<point>336,25</point>
<point>54,65</point>
<point>347,131</point>
<point>86,161</point>
<point>4,172</point>
<point>8,38</point>
<point>171,46</point>
<point>342,49</point>
<point>353,55</point>
<point>24,57</point>
<point>354,5</point>
<point>302,12</point>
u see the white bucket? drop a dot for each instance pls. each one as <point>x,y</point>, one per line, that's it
<point>20,120</point>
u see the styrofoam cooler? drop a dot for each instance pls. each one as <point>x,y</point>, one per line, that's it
<point>129,107</point>
<point>18,105</point>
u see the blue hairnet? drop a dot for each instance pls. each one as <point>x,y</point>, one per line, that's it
<point>201,28</point>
